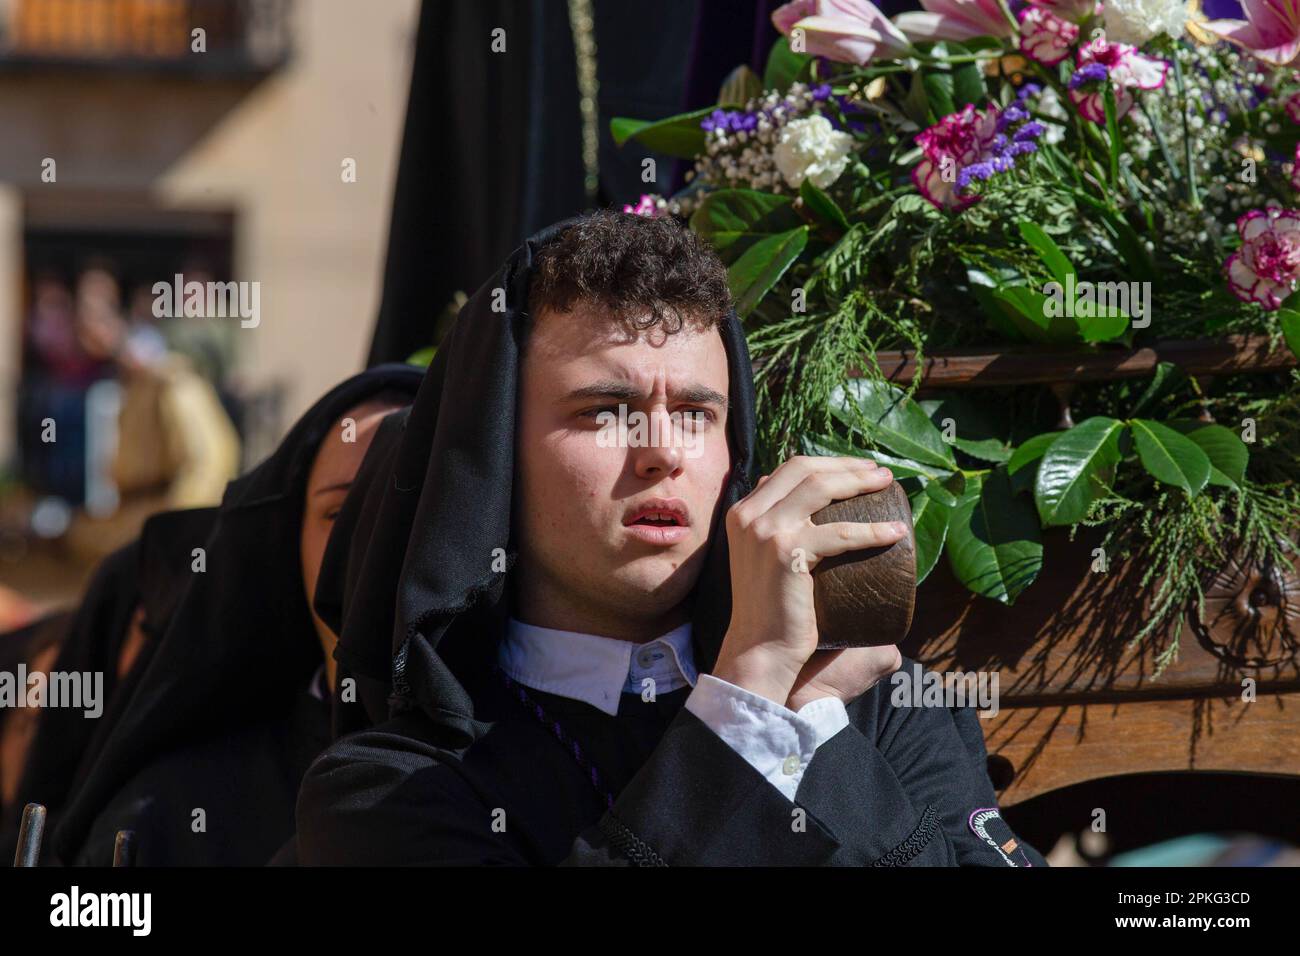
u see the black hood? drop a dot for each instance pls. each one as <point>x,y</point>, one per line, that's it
<point>17,647</point>
<point>150,572</point>
<point>241,643</point>
<point>350,597</point>
<point>445,505</point>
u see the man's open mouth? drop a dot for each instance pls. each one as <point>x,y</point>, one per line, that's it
<point>658,517</point>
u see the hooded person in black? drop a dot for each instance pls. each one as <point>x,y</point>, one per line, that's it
<point>556,592</point>
<point>106,641</point>
<point>33,646</point>
<point>204,763</point>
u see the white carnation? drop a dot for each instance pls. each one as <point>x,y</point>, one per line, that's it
<point>811,148</point>
<point>1136,21</point>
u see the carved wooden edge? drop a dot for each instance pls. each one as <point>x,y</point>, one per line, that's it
<point>1046,364</point>
<point>1045,749</point>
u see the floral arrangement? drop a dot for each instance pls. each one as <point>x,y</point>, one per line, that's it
<point>1054,173</point>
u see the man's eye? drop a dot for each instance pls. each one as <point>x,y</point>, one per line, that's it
<point>595,413</point>
<point>697,417</point>
<point>331,515</point>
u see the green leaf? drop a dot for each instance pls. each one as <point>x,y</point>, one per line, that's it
<point>998,314</point>
<point>741,85</point>
<point>1112,132</point>
<point>994,543</point>
<point>679,136</point>
<point>1105,326</point>
<point>822,206</point>
<point>967,80</point>
<point>929,529</point>
<point>422,356</point>
<point>1170,457</point>
<point>891,420</point>
<point>732,220</point>
<point>761,266</point>
<point>916,106</point>
<point>1136,258</point>
<point>1289,319</point>
<point>1228,454</point>
<point>948,490</point>
<point>1058,264</point>
<point>1165,379</point>
<point>1028,311</point>
<point>1076,469</point>
<point>905,467</point>
<point>901,467</point>
<point>974,431</point>
<point>1022,466</point>
<point>939,93</point>
<point>783,66</point>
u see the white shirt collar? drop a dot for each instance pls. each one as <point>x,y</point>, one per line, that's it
<point>593,669</point>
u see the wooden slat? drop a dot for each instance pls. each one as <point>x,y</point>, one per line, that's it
<point>1066,638</point>
<point>1031,364</point>
<point>1052,747</point>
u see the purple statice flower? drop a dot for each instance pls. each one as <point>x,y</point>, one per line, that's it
<point>733,121</point>
<point>851,113</point>
<point>1092,73</point>
<point>971,146</point>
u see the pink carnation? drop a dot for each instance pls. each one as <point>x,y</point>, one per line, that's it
<point>1267,266</point>
<point>1045,37</point>
<point>1128,70</point>
<point>1293,107</point>
<point>957,140</point>
<point>646,207</point>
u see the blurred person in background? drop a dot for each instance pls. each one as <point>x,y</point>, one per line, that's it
<point>56,373</point>
<point>176,445</point>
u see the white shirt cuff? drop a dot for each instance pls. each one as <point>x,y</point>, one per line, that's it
<point>774,740</point>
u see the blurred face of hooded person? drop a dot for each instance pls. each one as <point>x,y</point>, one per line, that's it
<point>18,729</point>
<point>339,456</point>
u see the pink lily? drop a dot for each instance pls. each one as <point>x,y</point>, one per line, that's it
<point>847,31</point>
<point>1076,11</point>
<point>957,20</point>
<point>1128,70</point>
<point>1046,37</point>
<point>1271,30</point>
<point>1266,268</point>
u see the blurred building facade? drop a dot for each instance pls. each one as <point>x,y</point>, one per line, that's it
<point>246,141</point>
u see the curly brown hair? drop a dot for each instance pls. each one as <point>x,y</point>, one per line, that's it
<point>646,272</point>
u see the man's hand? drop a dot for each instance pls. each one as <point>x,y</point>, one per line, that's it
<point>846,673</point>
<point>771,644</point>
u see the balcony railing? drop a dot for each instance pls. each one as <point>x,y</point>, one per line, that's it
<point>200,36</point>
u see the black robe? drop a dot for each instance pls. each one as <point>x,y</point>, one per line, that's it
<point>146,573</point>
<point>19,646</point>
<point>459,756</point>
<point>221,720</point>
<point>245,783</point>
